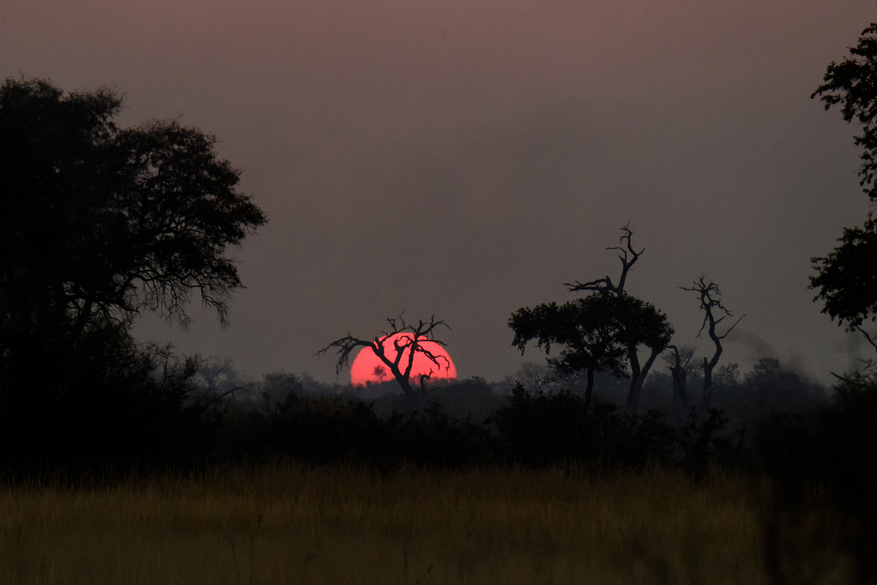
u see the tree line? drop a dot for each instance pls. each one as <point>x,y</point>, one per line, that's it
<point>99,223</point>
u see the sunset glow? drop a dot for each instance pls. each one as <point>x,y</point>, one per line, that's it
<point>368,367</point>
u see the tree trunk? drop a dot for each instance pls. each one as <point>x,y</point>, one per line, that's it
<point>636,385</point>
<point>633,391</point>
<point>706,399</point>
<point>589,389</point>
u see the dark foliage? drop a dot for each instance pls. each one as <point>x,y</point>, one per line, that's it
<point>847,279</point>
<point>102,401</point>
<point>833,449</point>
<point>545,429</point>
<point>107,221</point>
<point>852,84</point>
<point>98,223</point>
<point>325,430</point>
<point>586,329</point>
<point>583,328</point>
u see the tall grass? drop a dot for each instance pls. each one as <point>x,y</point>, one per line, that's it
<point>293,524</point>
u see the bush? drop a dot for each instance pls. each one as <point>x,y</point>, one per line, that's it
<point>99,400</point>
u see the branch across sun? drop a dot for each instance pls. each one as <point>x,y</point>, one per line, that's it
<point>367,367</point>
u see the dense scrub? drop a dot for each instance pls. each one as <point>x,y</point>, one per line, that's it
<point>151,416</point>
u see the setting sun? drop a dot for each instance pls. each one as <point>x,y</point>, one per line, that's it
<point>368,368</point>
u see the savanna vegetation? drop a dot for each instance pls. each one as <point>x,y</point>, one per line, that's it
<point>623,459</point>
<point>295,523</point>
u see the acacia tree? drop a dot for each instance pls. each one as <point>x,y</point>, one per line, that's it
<point>847,277</point>
<point>637,322</point>
<point>397,351</point>
<point>585,328</point>
<point>714,313</point>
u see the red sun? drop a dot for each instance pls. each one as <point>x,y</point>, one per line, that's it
<point>368,367</point>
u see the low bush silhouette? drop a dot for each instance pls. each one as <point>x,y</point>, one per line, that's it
<point>545,429</point>
<point>101,400</point>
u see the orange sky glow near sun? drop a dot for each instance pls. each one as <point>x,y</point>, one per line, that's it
<point>368,367</point>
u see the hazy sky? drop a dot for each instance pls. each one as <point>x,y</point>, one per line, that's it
<point>465,158</point>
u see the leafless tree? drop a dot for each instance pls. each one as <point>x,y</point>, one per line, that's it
<point>628,257</point>
<point>397,353</point>
<point>714,313</point>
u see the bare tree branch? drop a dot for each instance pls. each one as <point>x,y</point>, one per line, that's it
<point>710,304</point>
<point>710,298</point>
<point>406,346</point>
<point>870,339</point>
<point>628,257</point>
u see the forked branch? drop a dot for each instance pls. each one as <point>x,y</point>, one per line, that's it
<point>711,305</point>
<point>710,300</point>
<point>404,347</point>
<point>628,256</point>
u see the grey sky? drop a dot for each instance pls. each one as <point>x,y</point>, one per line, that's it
<point>467,158</point>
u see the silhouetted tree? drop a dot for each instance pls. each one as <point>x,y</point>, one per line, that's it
<point>586,328</point>
<point>397,353</point>
<point>638,322</point>
<point>98,220</point>
<point>98,223</point>
<point>847,277</point>
<point>711,304</point>
<point>852,83</point>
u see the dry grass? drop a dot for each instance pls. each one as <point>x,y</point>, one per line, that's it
<point>291,524</point>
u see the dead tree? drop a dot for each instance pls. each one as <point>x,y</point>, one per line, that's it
<point>680,366</point>
<point>628,257</point>
<point>637,322</point>
<point>398,356</point>
<point>711,305</point>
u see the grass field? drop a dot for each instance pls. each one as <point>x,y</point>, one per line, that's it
<point>292,524</point>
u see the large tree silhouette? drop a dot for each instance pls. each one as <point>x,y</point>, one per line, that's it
<point>847,277</point>
<point>97,224</point>
<point>101,221</point>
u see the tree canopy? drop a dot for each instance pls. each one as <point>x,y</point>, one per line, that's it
<point>588,329</point>
<point>852,84</point>
<point>847,277</point>
<point>99,221</point>
<point>584,328</point>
